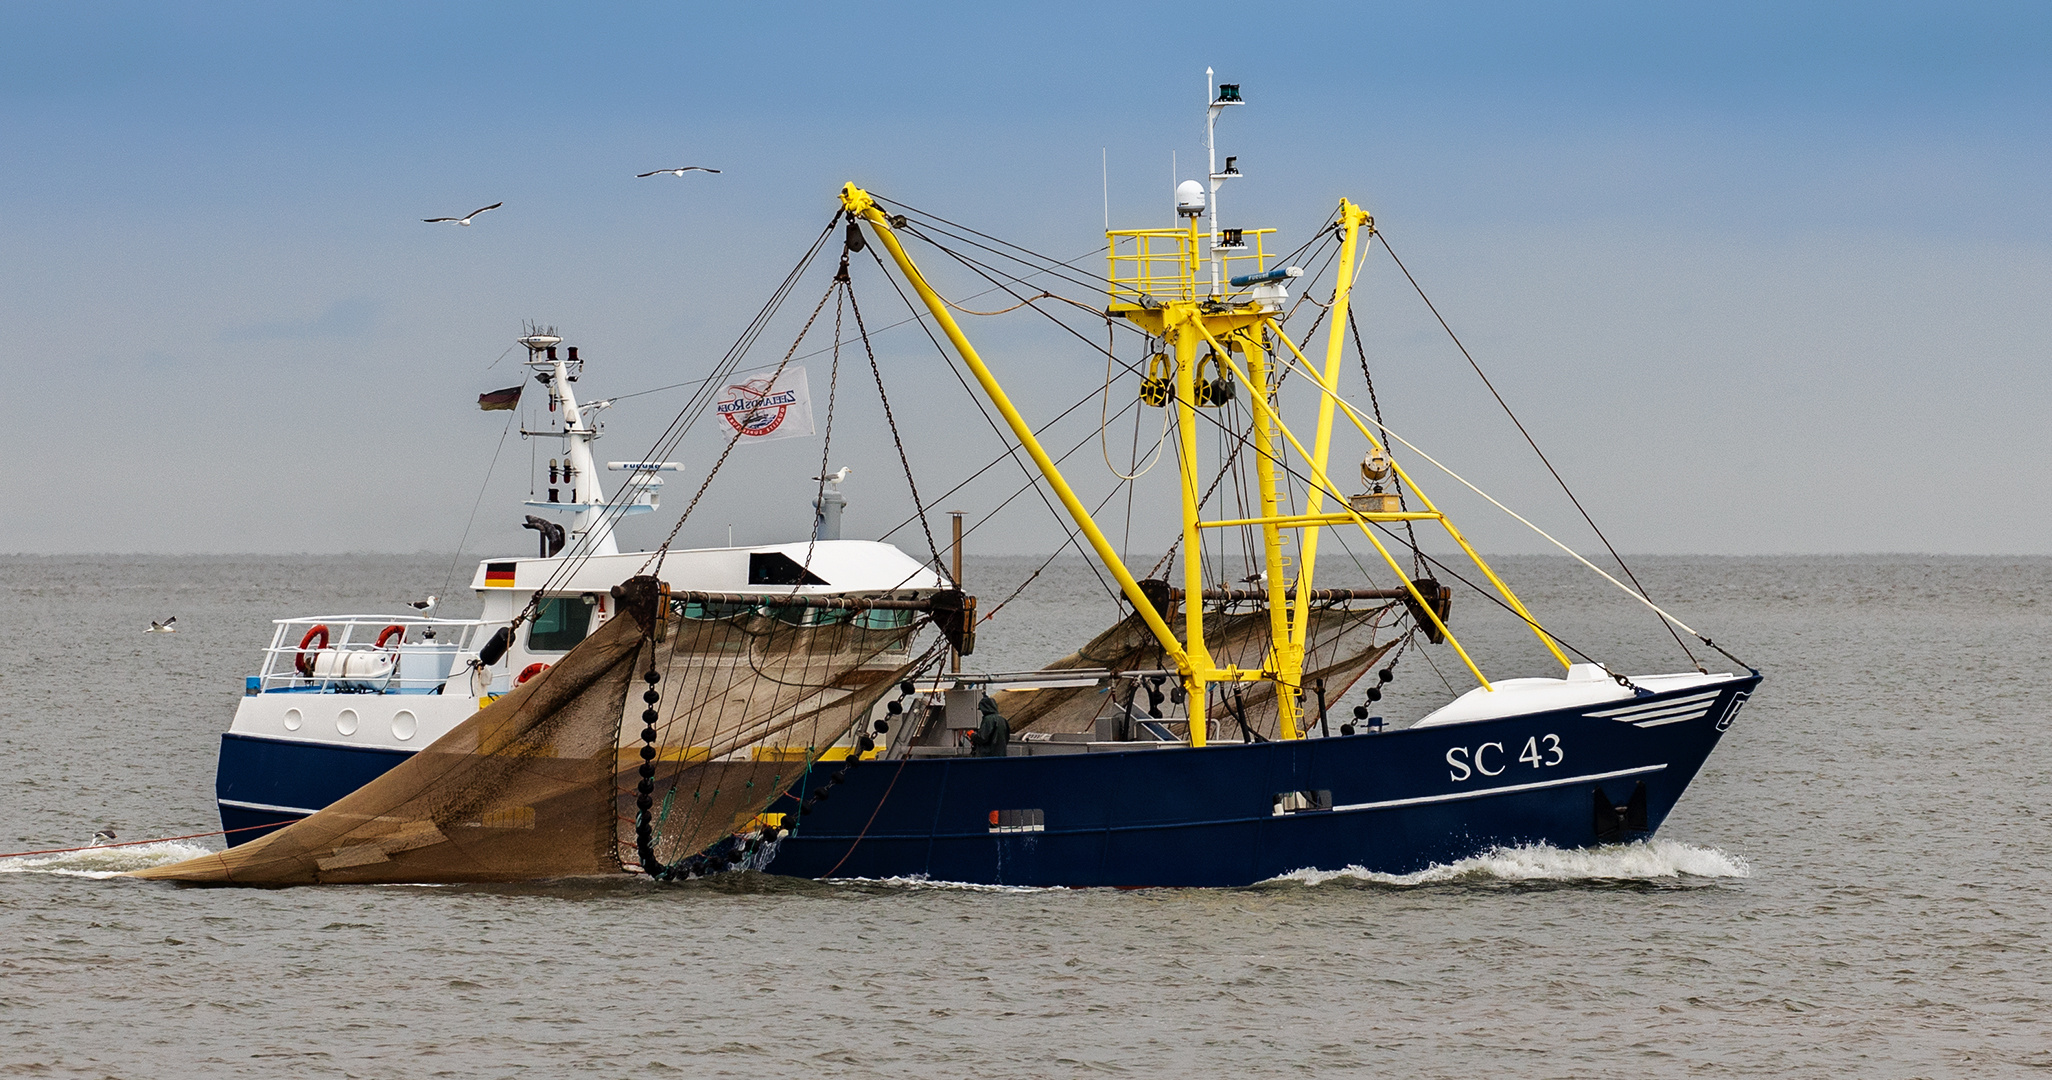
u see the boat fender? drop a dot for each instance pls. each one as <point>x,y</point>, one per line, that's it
<point>529,672</point>
<point>495,647</point>
<point>305,661</point>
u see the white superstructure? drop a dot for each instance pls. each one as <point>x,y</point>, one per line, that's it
<point>399,682</point>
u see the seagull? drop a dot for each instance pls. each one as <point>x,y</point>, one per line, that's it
<point>836,478</point>
<point>164,627</point>
<point>674,172</point>
<point>422,605</point>
<point>465,219</point>
<point>104,836</point>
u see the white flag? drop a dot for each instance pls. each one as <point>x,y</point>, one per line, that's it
<point>765,405</point>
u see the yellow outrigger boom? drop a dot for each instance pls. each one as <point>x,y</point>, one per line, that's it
<point>1156,284</point>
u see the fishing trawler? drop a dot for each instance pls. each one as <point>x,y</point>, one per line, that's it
<point>820,726</point>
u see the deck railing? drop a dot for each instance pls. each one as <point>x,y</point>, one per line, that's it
<point>1151,266</point>
<point>423,655</point>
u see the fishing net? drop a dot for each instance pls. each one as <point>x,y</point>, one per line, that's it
<point>545,781</point>
<point>1340,647</point>
<point>754,693</point>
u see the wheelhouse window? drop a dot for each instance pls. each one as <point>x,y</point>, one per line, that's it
<point>560,622</point>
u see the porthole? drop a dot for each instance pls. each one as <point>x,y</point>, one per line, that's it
<point>404,724</point>
<point>345,721</point>
<point>293,719</point>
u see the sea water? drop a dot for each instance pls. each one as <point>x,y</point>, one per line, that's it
<point>1858,884</point>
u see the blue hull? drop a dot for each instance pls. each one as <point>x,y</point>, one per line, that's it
<point>263,785</point>
<point>1399,802</point>
<point>1394,803</point>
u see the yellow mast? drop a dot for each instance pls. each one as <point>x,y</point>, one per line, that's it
<point>858,203</point>
<point>1155,284</point>
<point>1351,219</point>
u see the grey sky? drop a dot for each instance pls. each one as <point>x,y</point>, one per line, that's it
<point>1768,279</point>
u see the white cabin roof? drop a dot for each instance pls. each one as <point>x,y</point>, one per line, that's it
<point>844,566</point>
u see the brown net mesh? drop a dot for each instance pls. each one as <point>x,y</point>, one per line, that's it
<point>1340,648</point>
<point>753,693</point>
<point>543,782</point>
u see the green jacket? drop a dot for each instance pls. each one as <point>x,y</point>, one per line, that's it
<point>992,734</point>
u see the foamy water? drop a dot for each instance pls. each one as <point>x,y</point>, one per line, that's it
<point>1648,860</point>
<point>104,862</point>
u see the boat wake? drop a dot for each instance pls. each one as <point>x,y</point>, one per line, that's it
<point>104,862</point>
<point>1659,861</point>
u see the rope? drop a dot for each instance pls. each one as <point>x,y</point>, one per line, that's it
<point>1000,311</point>
<point>1103,421</point>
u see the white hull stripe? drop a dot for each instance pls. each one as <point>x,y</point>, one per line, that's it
<point>1697,715</point>
<point>1632,712</point>
<point>1481,792</point>
<point>1656,713</point>
<point>1697,708</point>
<point>266,807</point>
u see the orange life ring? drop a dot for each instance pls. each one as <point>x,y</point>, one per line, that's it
<point>529,672</point>
<point>387,633</point>
<point>305,662</point>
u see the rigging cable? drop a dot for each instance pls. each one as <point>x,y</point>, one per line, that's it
<point>949,360</point>
<point>1533,443</point>
<point>890,420</point>
<point>1375,404</point>
<point>1288,361</point>
<point>656,558</point>
<point>479,501</point>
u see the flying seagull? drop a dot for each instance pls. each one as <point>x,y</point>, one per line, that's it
<point>675,172</point>
<point>422,605</point>
<point>164,627</point>
<point>104,836</point>
<point>465,219</point>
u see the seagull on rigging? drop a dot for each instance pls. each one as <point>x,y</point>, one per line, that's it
<point>422,605</point>
<point>674,172</point>
<point>465,219</point>
<point>164,627</point>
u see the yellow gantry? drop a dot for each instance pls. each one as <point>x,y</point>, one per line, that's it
<point>1156,286</point>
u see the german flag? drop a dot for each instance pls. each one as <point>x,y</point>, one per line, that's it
<point>500,400</point>
<point>499,575</point>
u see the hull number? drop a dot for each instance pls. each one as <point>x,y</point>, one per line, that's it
<point>1492,759</point>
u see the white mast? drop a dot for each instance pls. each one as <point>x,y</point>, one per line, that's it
<point>591,531</point>
<point>1219,99</point>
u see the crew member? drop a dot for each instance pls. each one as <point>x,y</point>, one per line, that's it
<point>992,733</point>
